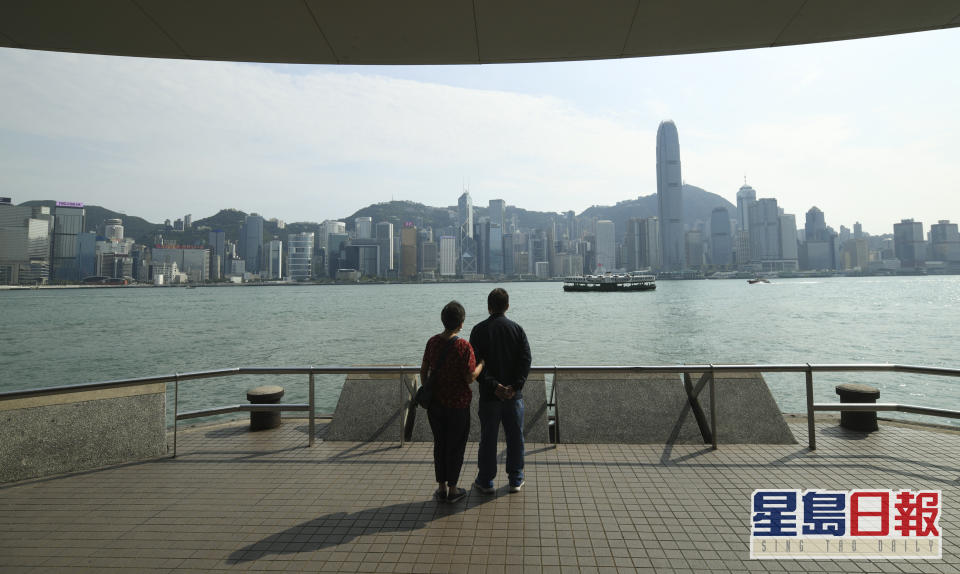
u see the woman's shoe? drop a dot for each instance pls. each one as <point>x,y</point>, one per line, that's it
<point>456,495</point>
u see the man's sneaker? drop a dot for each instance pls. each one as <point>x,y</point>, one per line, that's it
<point>518,486</point>
<point>456,495</point>
<point>484,489</point>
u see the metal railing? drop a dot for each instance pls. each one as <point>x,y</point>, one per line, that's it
<point>407,389</point>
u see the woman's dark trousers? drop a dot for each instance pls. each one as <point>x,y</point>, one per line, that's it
<point>450,427</point>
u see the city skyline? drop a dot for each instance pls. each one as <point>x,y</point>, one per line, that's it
<point>840,126</point>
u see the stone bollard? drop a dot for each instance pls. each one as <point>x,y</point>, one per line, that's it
<point>865,421</point>
<point>265,395</point>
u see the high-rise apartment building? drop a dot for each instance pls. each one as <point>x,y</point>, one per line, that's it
<point>670,197</point>
<point>606,257</point>
<point>721,241</point>
<point>300,256</point>
<point>251,243</point>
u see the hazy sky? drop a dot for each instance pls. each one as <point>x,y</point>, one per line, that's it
<point>866,130</point>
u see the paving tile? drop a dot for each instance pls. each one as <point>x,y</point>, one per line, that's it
<point>239,501</point>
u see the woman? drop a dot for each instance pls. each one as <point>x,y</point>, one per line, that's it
<point>451,360</point>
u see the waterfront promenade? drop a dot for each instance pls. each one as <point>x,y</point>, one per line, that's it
<point>235,500</point>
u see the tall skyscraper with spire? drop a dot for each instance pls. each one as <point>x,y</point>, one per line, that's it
<point>669,197</point>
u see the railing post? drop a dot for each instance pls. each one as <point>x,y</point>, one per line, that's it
<point>713,407</point>
<point>556,408</point>
<point>403,408</point>
<point>312,401</point>
<point>176,410</point>
<point>811,430</point>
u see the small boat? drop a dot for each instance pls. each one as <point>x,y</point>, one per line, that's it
<point>757,280</point>
<point>610,282</point>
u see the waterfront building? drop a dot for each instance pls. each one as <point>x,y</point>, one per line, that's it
<point>69,221</point>
<point>670,197</point>
<point>429,256</point>
<point>447,264</point>
<point>815,228</point>
<point>494,237</point>
<point>113,229</point>
<point>465,214</point>
<point>88,256</point>
<point>328,228</point>
<point>509,255</point>
<point>363,256</point>
<point>788,241</point>
<point>300,256</point>
<point>193,261</point>
<point>408,251</point>
<point>217,241</point>
<point>364,227</point>
<point>336,252</point>
<point>908,244</point>
<point>496,211</point>
<point>772,237</point>
<point>251,243</point>
<point>385,241</point>
<point>274,259</point>
<point>187,221</point>
<point>746,196</point>
<point>606,246</point>
<point>945,241</point>
<point>721,242</point>
<point>24,244</point>
<point>855,255</point>
<point>693,242</point>
<point>542,270</point>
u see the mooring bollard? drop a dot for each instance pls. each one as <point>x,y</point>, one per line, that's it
<point>265,395</point>
<point>865,421</point>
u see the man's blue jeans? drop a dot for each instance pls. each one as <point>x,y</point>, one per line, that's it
<point>492,414</point>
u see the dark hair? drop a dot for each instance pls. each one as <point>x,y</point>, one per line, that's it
<point>498,301</point>
<point>452,315</point>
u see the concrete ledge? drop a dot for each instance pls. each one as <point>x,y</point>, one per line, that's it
<point>70,432</point>
<point>746,411</point>
<point>369,408</point>
<point>624,408</point>
<point>535,423</point>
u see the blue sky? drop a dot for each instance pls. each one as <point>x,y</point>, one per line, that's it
<point>867,130</point>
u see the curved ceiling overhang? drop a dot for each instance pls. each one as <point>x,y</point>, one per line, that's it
<point>418,32</point>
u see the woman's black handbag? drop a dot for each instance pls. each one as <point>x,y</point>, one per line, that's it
<point>424,394</point>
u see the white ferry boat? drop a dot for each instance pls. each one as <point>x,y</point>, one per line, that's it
<point>610,282</point>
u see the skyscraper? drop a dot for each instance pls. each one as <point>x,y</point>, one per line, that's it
<point>408,251</point>
<point>364,227</point>
<point>465,213</point>
<point>908,244</point>
<point>669,197</point>
<point>274,259</point>
<point>721,242</point>
<point>300,256</point>
<point>745,197</point>
<point>815,228</point>
<point>69,219</point>
<point>251,243</point>
<point>497,211</point>
<point>606,246</point>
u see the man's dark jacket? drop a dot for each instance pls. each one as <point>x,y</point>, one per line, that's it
<point>503,345</point>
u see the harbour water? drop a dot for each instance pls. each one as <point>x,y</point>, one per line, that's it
<point>66,336</point>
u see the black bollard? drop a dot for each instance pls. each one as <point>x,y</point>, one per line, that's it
<point>865,421</point>
<point>265,395</point>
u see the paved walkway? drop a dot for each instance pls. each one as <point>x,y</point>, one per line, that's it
<point>235,500</point>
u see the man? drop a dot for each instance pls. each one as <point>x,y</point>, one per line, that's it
<point>503,346</point>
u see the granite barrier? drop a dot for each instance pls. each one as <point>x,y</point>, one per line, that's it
<point>624,408</point>
<point>746,411</point>
<point>370,409</point>
<point>81,430</point>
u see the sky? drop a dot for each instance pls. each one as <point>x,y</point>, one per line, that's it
<point>866,130</point>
